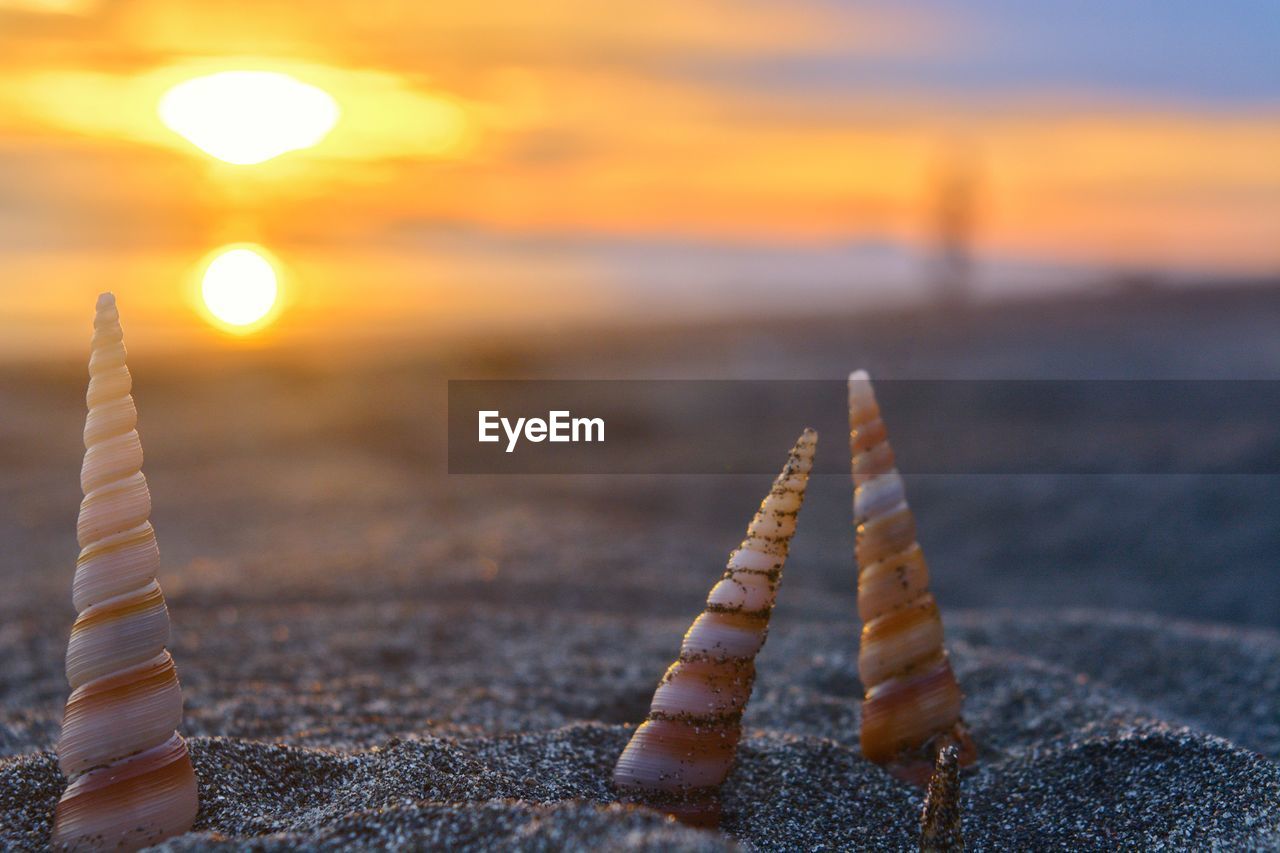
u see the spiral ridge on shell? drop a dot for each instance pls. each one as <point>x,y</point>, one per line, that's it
<point>131,782</point>
<point>912,703</point>
<point>678,757</point>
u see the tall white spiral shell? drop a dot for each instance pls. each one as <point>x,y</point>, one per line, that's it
<point>131,780</point>
<point>912,704</point>
<point>677,759</point>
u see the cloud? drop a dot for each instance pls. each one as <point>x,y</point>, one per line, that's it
<point>383,115</point>
<point>50,7</point>
<point>446,38</point>
<point>689,142</point>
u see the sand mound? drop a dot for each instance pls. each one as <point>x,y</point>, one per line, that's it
<point>1108,786</point>
<point>1078,749</point>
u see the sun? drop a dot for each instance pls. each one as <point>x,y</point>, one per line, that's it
<point>240,289</point>
<point>248,117</point>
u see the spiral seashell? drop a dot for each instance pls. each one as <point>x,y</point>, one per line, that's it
<point>131,780</point>
<point>912,703</point>
<point>940,825</point>
<point>677,759</point>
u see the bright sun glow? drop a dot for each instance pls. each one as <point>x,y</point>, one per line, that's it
<point>239,289</point>
<point>247,117</point>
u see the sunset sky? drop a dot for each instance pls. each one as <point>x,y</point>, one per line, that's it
<point>515,163</point>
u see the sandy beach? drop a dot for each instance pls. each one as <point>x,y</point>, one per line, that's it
<point>375,654</point>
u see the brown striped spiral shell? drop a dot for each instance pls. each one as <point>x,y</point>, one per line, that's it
<point>912,703</point>
<point>131,780</point>
<point>677,759</point>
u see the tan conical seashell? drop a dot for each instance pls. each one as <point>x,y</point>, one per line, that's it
<point>131,780</point>
<point>912,704</point>
<point>678,757</point>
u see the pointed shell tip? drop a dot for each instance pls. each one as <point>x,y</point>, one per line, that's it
<point>106,300</point>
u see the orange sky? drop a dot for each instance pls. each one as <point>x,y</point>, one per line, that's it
<point>492,158</point>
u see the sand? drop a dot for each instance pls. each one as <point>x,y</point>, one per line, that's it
<point>375,654</point>
<point>1074,753</point>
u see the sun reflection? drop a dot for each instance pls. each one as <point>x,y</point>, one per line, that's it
<point>239,289</point>
<point>247,117</point>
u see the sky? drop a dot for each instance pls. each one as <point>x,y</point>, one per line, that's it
<point>508,164</point>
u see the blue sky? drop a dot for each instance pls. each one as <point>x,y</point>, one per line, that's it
<point>1175,51</point>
